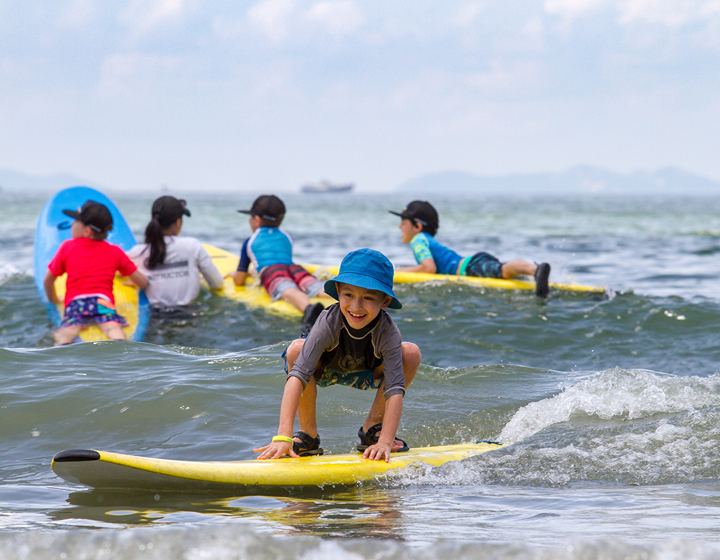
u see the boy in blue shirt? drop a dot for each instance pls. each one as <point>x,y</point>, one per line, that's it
<point>269,248</point>
<point>354,343</point>
<point>419,225</point>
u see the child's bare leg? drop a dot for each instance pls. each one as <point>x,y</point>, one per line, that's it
<point>66,335</point>
<point>113,331</point>
<point>297,297</point>
<point>517,268</point>
<point>307,417</point>
<point>411,362</point>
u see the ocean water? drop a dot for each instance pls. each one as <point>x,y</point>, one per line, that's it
<point>611,403</point>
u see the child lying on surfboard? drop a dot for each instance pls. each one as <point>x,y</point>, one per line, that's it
<point>90,263</point>
<point>419,225</point>
<point>270,249</point>
<point>355,343</point>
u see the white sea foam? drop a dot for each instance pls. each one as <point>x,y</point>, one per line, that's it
<point>616,394</point>
<point>240,541</point>
<point>7,271</point>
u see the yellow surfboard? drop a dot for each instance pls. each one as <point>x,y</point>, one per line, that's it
<point>420,277</point>
<point>102,469</point>
<point>252,293</point>
<point>255,296</point>
<point>126,304</point>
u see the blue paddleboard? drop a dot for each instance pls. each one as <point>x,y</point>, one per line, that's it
<point>53,228</point>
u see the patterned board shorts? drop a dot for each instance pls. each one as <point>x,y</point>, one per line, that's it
<point>84,311</point>
<point>484,265</point>
<point>364,380</point>
<point>277,278</point>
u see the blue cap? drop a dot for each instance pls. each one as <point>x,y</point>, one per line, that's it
<point>365,268</point>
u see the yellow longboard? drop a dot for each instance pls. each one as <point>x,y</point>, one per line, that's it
<point>252,293</point>
<point>126,304</point>
<point>420,277</point>
<point>102,469</point>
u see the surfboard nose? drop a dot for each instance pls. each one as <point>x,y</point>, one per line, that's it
<point>74,455</point>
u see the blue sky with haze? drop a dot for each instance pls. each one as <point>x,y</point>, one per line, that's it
<point>268,95</point>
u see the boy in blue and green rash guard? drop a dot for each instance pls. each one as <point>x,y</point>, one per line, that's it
<point>419,225</point>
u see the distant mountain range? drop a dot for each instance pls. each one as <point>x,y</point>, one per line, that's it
<point>15,181</point>
<point>578,180</point>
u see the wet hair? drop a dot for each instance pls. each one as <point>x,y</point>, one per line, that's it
<point>166,211</point>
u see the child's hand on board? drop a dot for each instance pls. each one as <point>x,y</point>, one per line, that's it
<point>275,450</point>
<point>377,451</point>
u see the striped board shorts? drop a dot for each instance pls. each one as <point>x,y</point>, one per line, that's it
<point>277,278</point>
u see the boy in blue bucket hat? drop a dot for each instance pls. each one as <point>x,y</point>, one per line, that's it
<point>355,343</point>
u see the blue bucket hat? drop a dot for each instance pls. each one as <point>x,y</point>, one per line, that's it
<point>365,268</point>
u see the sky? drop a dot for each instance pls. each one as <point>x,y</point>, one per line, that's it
<point>260,96</point>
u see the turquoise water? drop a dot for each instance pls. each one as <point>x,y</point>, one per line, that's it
<point>611,403</point>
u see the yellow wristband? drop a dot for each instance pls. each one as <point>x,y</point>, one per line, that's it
<point>283,438</point>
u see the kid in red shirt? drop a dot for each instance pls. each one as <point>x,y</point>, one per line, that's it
<point>90,263</point>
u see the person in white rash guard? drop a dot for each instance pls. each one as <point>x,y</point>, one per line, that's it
<point>172,264</point>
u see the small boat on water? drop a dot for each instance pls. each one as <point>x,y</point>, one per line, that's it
<point>327,187</point>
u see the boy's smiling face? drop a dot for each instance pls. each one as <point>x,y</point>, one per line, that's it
<point>409,230</point>
<point>360,306</point>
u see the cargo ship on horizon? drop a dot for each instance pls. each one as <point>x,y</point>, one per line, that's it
<point>327,187</point>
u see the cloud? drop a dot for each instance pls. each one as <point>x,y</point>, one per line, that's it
<point>144,15</point>
<point>670,13</point>
<point>77,14</point>
<point>271,17</point>
<point>228,27</point>
<point>570,8</point>
<point>598,80</point>
<point>337,18</point>
<point>276,19</point>
<point>468,13</point>
<point>506,79</point>
<point>128,75</point>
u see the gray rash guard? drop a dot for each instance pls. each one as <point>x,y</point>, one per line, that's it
<point>332,343</point>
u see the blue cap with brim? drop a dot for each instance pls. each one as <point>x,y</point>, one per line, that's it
<point>365,268</point>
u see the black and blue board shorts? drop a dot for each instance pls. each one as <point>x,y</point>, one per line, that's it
<point>364,380</point>
<point>482,265</point>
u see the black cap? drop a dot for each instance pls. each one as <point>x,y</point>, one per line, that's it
<point>268,207</point>
<point>168,209</point>
<point>422,212</point>
<point>94,215</point>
